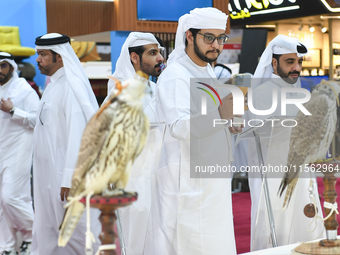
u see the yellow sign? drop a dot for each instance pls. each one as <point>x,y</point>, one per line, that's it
<point>240,9</point>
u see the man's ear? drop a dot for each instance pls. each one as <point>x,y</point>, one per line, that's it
<point>275,64</point>
<point>134,58</point>
<point>189,36</point>
<point>59,58</point>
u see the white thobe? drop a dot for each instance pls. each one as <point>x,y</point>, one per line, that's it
<point>291,224</point>
<point>16,134</point>
<point>190,215</point>
<point>57,136</point>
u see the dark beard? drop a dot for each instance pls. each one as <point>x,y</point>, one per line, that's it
<point>202,56</point>
<point>6,78</point>
<point>149,70</point>
<point>285,76</point>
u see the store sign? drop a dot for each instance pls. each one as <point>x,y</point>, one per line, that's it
<point>242,9</point>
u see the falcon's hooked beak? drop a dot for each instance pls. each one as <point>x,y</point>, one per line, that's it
<point>119,87</point>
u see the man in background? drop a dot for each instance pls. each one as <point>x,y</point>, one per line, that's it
<point>140,52</point>
<point>67,104</point>
<point>279,67</point>
<point>18,109</point>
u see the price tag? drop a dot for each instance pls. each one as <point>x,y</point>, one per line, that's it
<point>309,211</point>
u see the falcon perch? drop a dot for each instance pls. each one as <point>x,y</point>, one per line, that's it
<point>111,141</point>
<point>312,136</point>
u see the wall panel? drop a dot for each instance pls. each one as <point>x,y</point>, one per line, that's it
<point>76,17</point>
<point>79,17</point>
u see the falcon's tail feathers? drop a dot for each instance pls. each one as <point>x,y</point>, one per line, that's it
<point>289,192</point>
<point>282,187</point>
<point>70,221</point>
<point>284,183</point>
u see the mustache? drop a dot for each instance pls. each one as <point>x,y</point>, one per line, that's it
<point>296,72</point>
<point>214,51</point>
<point>158,65</point>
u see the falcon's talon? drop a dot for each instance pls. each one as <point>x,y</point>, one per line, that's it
<point>324,160</point>
<point>113,192</point>
<point>130,193</point>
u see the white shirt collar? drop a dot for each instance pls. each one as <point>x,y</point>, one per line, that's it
<point>60,72</point>
<point>193,67</point>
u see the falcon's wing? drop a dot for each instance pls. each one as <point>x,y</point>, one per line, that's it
<point>93,139</point>
<point>309,132</point>
<point>144,136</point>
<point>305,139</point>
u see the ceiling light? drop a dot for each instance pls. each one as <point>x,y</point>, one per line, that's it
<point>323,29</point>
<point>330,17</point>
<point>301,26</point>
<point>311,29</point>
<point>260,26</point>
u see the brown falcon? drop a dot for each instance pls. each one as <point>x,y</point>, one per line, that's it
<point>111,141</point>
<point>312,136</point>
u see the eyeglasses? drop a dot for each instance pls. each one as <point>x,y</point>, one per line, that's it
<point>3,65</point>
<point>209,39</point>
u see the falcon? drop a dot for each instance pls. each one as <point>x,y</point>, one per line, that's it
<point>312,136</point>
<point>111,141</point>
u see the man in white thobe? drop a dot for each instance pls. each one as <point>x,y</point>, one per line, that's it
<point>193,215</point>
<point>18,110</point>
<point>140,52</point>
<point>67,104</point>
<point>279,67</point>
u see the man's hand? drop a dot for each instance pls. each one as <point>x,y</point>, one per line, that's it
<point>226,109</point>
<point>235,128</point>
<point>64,193</point>
<point>6,105</point>
<point>226,112</point>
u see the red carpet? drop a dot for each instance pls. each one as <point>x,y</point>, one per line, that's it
<point>241,210</point>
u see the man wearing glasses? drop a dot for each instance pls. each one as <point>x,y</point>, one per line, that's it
<point>18,109</point>
<point>194,213</point>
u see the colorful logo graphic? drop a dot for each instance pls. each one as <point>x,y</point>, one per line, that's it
<point>212,89</point>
